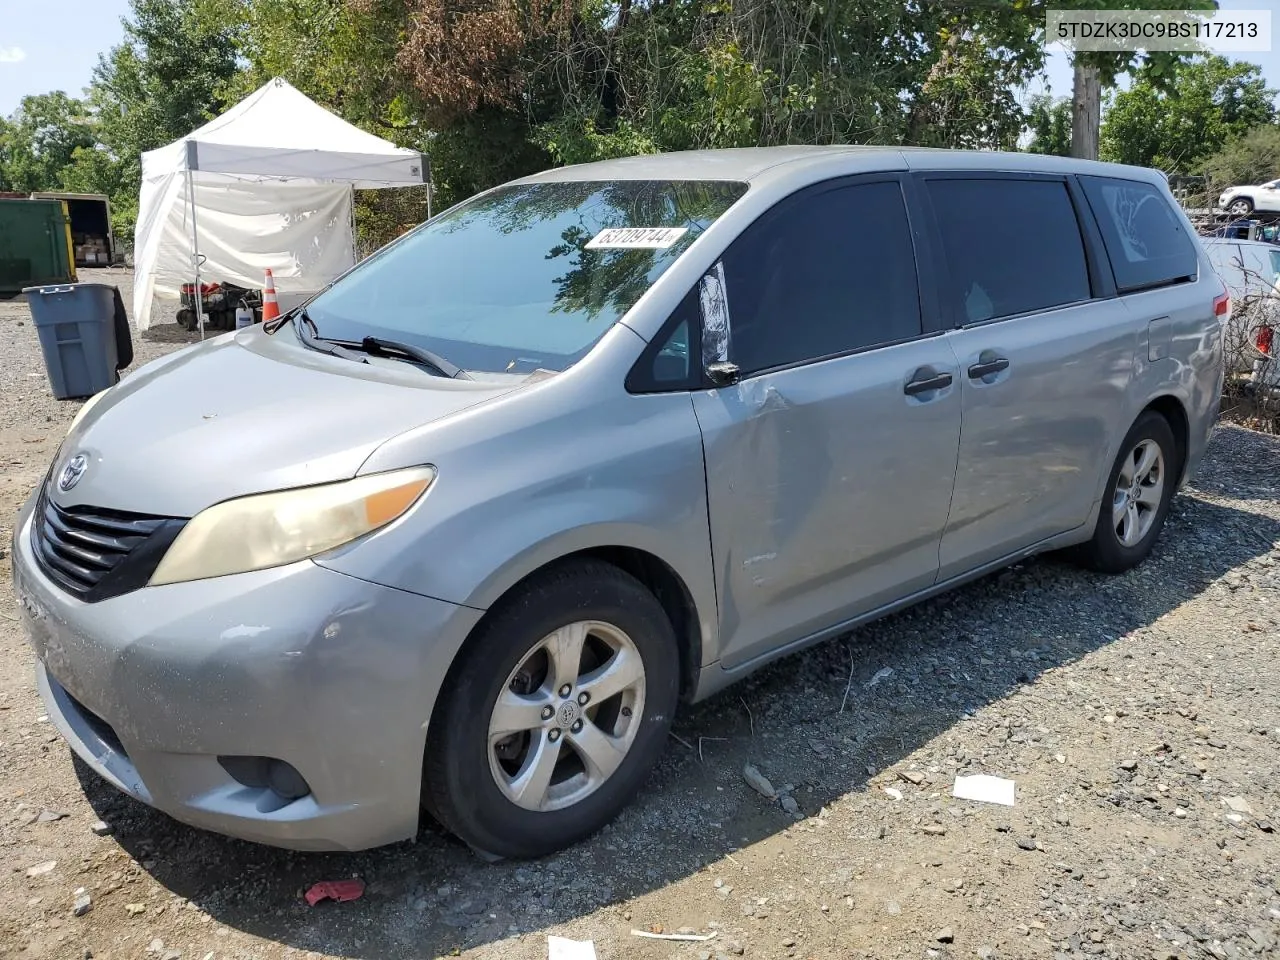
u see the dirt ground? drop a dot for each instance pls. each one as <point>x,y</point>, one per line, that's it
<point>1128,710</point>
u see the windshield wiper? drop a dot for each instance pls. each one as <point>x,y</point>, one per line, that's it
<point>310,336</point>
<point>271,326</point>
<point>377,346</point>
<point>374,347</point>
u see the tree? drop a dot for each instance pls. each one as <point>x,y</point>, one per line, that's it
<point>40,139</point>
<point>1086,109</point>
<point>968,97</point>
<point>159,84</point>
<point>1252,158</point>
<point>1176,122</point>
<point>1095,71</point>
<point>605,77</point>
<point>6,136</point>
<point>1050,123</point>
<point>338,52</point>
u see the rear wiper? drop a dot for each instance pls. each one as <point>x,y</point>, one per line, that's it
<point>377,346</point>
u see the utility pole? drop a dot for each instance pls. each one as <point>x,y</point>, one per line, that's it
<point>1086,111</point>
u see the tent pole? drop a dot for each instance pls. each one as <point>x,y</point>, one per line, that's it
<point>427,178</point>
<point>355,254</point>
<point>195,252</point>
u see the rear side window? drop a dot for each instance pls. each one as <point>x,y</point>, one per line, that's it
<point>1012,246</point>
<point>821,274</point>
<point>1145,240</point>
<point>1275,264</point>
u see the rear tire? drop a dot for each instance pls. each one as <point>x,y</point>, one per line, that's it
<point>542,769</point>
<point>1139,489</point>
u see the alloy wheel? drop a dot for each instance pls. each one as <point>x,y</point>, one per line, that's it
<point>1138,493</point>
<point>567,716</point>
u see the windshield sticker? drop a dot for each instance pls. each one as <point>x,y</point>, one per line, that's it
<point>636,238</point>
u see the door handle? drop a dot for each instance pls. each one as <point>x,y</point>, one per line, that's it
<point>924,385</point>
<point>980,370</point>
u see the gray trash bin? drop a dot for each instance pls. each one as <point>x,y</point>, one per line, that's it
<point>76,325</point>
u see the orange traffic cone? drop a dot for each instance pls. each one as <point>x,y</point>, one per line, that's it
<point>270,306</point>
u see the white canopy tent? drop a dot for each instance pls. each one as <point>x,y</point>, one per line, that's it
<point>266,185</point>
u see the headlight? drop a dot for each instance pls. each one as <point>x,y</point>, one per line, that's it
<point>88,405</point>
<point>271,529</point>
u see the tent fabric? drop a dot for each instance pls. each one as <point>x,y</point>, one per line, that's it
<point>301,231</point>
<point>272,181</point>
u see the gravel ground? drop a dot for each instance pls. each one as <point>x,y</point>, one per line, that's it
<point>1129,710</point>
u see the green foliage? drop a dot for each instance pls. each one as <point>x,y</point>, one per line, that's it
<point>494,89</point>
<point>1252,158</point>
<point>1050,123</point>
<point>1174,122</point>
<point>38,142</point>
<point>337,53</point>
<point>161,82</point>
<point>157,85</point>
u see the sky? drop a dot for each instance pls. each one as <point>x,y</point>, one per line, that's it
<point>53,45</point>
<point>36,59</point>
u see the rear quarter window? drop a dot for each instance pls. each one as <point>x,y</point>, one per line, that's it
<point>1145,239</point>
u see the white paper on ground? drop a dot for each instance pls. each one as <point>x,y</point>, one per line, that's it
<point>558,948</point>
<point>984,789</point>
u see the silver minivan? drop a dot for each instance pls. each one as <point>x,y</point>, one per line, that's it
<point>463,531</point>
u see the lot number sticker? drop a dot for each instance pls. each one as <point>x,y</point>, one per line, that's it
<point>636,238</point>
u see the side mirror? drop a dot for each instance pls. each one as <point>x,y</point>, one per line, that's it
<point>713,302</point>
<point>723,374</point>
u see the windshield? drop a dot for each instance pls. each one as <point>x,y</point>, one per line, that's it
<point>527,277</point>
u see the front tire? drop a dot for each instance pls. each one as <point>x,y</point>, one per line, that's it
<point>1240,207</point>
<point>1139,489</point>
<point>554,714</point>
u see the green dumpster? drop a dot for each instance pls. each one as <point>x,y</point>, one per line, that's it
<point>35,245</point>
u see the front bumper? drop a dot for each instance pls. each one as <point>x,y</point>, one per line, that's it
<point>332,674</point>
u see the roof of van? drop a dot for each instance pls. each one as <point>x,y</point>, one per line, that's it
<point>753,163</point>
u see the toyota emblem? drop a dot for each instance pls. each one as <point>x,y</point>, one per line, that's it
<point>72,472</point>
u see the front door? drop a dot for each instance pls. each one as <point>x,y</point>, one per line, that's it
<point>1045,360</point>
<point>830,462</point>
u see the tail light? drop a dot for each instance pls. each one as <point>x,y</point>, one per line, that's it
<point>1263,338</point>
<point>1222,305</point>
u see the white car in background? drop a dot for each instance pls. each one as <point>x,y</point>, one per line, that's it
<point>1242,201</point>
<point>1251,271</point>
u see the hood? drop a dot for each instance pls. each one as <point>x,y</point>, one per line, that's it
<point>247,413</point>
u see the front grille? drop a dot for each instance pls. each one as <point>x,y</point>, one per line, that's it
<point>95,553</point>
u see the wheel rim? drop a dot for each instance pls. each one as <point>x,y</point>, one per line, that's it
<point>1138,493</point>
<point>1238,208</point>
<point>567,716</point>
